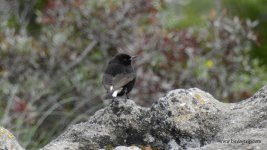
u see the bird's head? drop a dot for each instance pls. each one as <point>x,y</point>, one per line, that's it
<point>124,58</point>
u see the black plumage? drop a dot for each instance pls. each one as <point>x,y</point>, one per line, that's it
<point>119,76</point>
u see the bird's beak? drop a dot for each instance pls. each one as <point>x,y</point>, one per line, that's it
<point>133,57</point>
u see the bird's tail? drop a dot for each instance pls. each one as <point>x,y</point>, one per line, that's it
<point>112,94</point>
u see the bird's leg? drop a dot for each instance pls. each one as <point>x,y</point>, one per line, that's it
<point>126,95</point>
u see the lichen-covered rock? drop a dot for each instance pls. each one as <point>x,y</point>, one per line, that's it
<point>183,119</point>
<point>8,141</point>
<point>117,124</point>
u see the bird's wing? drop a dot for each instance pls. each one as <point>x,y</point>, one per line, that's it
<point>118,81</point>
<point>116,77</point>
<point>122,79</point>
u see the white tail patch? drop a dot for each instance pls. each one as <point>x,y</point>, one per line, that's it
<point>115,93</point>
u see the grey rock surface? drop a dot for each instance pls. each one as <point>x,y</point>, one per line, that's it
<point>183,119</point>
<point>8,141</point>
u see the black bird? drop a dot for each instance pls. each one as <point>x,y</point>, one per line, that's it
<point>119,76</point>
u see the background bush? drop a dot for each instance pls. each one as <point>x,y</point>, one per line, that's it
<point>53,53</point>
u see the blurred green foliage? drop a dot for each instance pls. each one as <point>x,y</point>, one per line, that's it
<point>255,10</point>
<point>53,54</point>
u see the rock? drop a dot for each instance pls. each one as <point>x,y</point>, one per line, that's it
<point>62,145</point>
<point>183,119</point>
<point>8,141</point>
